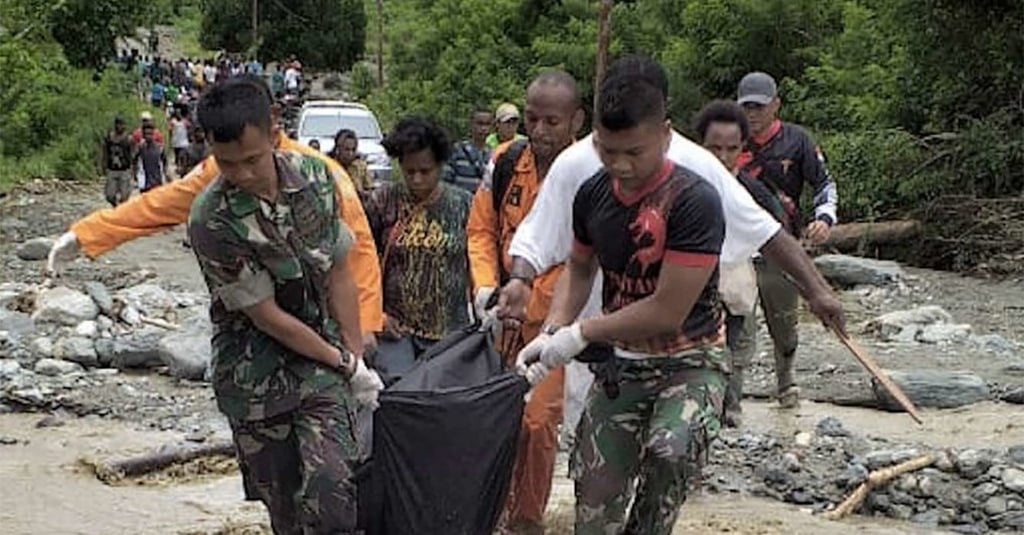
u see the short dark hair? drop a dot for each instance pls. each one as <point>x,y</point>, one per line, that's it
<point>561,78</point>
<point>344,134</point>
<point>228,107</point>
<point>722,111</point>
<point>628,101</point>
<point>413,134</point>
<point>640,66</point>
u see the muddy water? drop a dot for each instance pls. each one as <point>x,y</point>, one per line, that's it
<point>45,490</point>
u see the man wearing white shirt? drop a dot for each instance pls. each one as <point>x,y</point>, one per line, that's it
<point>544,239</point>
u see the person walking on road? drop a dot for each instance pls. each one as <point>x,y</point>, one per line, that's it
<point>553,117</point>
<point>117,155</point>
<point>785,158</point>
<point>288,368</point>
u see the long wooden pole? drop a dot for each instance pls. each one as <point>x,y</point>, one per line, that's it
<point>255,23</point>
<point>604,35</point>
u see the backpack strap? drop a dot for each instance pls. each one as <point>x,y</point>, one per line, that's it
<point>501,178</point>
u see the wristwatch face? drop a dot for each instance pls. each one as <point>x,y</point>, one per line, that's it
<point>550,329</point>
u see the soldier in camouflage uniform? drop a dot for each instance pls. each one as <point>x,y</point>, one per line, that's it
<point>287,346</point>
<point>655,230</point>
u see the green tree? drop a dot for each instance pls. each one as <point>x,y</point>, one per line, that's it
<point>323,34</point>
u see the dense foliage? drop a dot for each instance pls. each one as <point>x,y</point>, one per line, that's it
<point>325,34</point>
<point>910,98</point>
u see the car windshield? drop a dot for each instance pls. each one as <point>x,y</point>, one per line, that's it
<point>327,125</point>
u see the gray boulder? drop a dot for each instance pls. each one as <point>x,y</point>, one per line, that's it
<point>934,388</point>
<point>77,349</point>
<point>9,368</point>
<point>34,249</point>
<point>941,333</point>
<point>187,354</point>
<point>42,347</point>
<point>905,325</point>
<point>55,367</point>
<point>137,349</point>
<point>101,296</point>
<point>1013,479</point>
<point>848,271</point>
<point>65,306</point>
<point>15,323</point>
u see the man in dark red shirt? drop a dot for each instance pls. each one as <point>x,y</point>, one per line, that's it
<point>785,158</point>
<point>655,231</point>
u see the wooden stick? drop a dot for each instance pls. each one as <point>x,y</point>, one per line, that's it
<point>876,479</point>
<point>159,323</point>
<point>151,462</point>
<point>872,367</point>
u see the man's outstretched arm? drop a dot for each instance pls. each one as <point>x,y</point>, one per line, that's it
<point>786,252</point>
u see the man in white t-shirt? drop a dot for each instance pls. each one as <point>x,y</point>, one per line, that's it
<point>545,237</point>
<point>291,79</point>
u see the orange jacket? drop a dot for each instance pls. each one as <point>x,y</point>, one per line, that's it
<point>483,232</point>
<point>168,205</point>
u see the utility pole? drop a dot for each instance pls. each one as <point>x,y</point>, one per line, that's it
<point>604,35</point>
<point>380,43</point>
<point>255,23</point>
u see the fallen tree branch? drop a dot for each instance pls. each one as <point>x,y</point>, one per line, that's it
<point>159,323</point>
<point>850,236</point>
<point>876,479</point>
<point>158,460</point>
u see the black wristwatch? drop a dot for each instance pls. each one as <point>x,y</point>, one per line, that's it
<point>346,360</point>
<point>550,328</point>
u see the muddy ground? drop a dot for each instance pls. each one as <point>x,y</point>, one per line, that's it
<point>102,414</point>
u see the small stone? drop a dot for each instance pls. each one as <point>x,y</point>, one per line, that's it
<point>8,441</point>
<point>969,529</point>
<point>985,490</point>
<point>54,367</point>
<point>878,459</point>
<point>791,462</point>
<point>830,426</point>
<point>1014,395</point>
<point>100,295</point>
<point>907,483</point>
<point>972,463</point>
<point>995,505</point>
<point>902,498</point>
<point>42,347</point>
<point>928,518</point>
<point>131,316</point>
<point>901,512</point>
<point>65,306</point>
<point>925,487</point>
<point>187,354</point>
<point>87,329</point>
<point>944,462</point>
<point>802,439</point>
<point>855,475</point>
<point>34,249</point>
<point>1016,454</point>
<point>905,324</point>
<point>993,343</point>
<point>9,368</point>
<point>942,333</point>
<point>777,478</point>
<point>76,349</point>
<point>1013,479</point>
<point>800,497</point>
<point>104,324</point>
<point>50,421</point>
<point>879,501</point>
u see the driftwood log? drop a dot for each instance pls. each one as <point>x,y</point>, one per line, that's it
<point>850,236</point>
<point>876,479</point>
<point>160,459</point>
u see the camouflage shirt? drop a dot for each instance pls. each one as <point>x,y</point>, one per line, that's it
<point>249,250</point>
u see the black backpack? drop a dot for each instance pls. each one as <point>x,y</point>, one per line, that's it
<point>500,180</point>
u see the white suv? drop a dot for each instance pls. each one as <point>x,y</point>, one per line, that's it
<point>322,119</point>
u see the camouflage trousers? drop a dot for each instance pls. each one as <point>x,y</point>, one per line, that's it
<point>297,465</point>
<point>780,301</point>
<point>649,440</point>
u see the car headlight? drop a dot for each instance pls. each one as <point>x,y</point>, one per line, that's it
<point>378,159</point>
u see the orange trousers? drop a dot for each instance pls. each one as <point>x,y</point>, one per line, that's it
<point>538,443</point>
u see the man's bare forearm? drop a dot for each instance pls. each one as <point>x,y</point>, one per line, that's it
<point>572,289</point>
<point>784,251</point>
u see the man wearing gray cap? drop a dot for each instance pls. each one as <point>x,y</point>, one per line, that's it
<point>784,157</point>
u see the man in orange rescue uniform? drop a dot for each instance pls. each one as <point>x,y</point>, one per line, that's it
<point>166,206</point>
<point>553,117</point>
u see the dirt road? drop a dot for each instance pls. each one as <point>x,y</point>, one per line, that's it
<point>47,491</point>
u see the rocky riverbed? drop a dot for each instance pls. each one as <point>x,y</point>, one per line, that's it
<point>121,344</point>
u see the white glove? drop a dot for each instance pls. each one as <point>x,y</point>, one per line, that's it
<point>483,295</point>
<point>565,344</point>
<point>536,373</point>
<point>366,385</point>
<point>531,353</point>
<point>65,248</point>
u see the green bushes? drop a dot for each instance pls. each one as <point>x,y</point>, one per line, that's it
<point>54,115</point>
